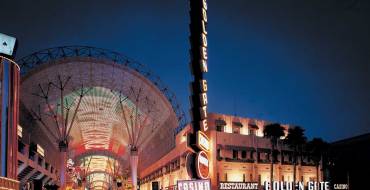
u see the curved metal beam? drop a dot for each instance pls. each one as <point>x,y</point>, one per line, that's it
<point>104,182</point>
<point>33,60</point>
<point>99,153</point>
<point>99,172</point>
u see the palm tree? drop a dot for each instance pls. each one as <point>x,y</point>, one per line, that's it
<point>317,148</point>
<point>295,140</point>
<point>273,132</point>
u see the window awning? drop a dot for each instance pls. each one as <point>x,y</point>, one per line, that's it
<point>232,147</point>
<point>237,124</point>
<point>253,126</point>
<point>220,122</point>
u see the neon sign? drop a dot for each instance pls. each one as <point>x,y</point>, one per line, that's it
<point>199,99</point>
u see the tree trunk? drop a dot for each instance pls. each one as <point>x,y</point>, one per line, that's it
<point>272,165</point>
<point>317,173</point>
<point>294,166</point>
<point>294,172</point>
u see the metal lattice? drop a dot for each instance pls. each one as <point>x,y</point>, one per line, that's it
<point>36,59</point>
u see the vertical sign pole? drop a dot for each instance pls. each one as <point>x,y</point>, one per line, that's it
<point>198,65</point>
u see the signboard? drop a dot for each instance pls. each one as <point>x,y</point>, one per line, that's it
<point>190,165</point>
<point>19,131</point>
<point>40,150</point>
<point>238,186</point>
<point>7,44</point>
<point>202,141</point>
<point>204,184</point>
<point>202,165</point>
<point>199,100</point>
<point>199,66</point>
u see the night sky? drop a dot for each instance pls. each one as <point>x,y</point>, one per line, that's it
<point>300,62</point>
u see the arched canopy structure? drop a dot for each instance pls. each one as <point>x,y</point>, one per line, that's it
<point>28,63</point>
<point>99,103</point>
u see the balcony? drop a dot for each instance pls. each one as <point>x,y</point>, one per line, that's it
<point>308,163</point>
<point>239,160</point>
<point>233,139</point>
<point>287,162</point>
<point>6,183</point>
<point>264,161</point>
<point>31,165</point>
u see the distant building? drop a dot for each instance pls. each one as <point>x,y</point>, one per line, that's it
<point>351,158</point>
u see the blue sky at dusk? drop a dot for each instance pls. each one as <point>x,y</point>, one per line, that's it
<point>300,62</point>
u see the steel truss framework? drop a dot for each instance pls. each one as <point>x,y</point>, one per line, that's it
<point>99,153</point>
<point>47,56</point>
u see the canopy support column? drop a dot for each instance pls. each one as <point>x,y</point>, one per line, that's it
<point>134,163</point>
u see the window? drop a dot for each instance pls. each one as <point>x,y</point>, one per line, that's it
<point>259,179</point>
<point>243,177</point>
<point>267,156</point>
<point>220,128</point>
<point>218,153</point>
<point>21,147</point>
<point>244,154</point>
<point>39,161</point>
<point>252,132</point>
<point>225,176</point>
<point>236,130</point>
<point>235,154</point>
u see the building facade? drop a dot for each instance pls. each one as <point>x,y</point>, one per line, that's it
<point>238,153</point>
<point>353,150</point>
<point>9,100</point>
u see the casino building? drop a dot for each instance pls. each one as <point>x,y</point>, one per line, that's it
<point>238,153</point>
<point>90,118</point>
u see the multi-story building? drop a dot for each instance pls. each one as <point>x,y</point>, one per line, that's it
<point>9,100</point>
<point>356,151</point>
<point>238,153</point>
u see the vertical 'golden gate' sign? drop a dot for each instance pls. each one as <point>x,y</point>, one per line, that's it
<point>199,63</point>
<point>199,66</point>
